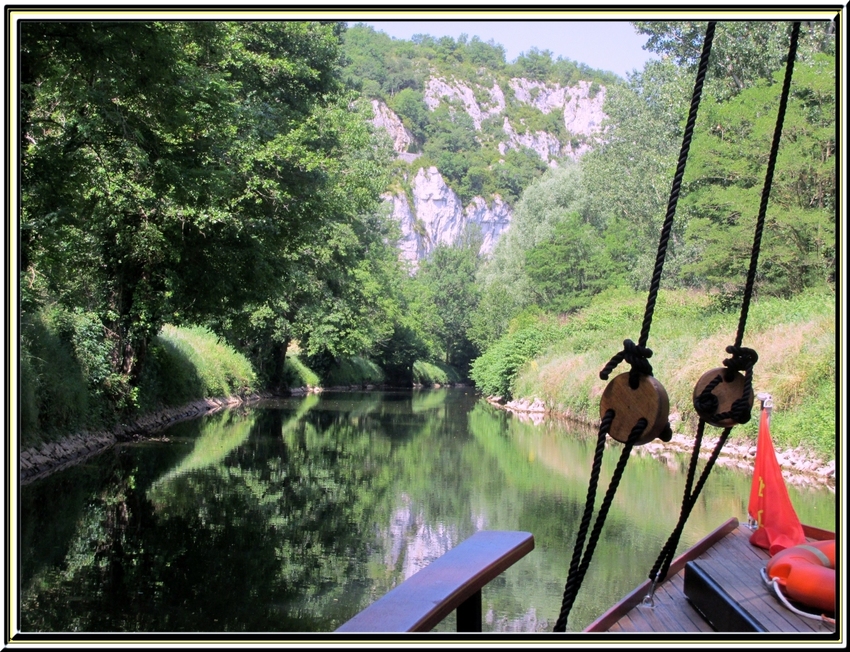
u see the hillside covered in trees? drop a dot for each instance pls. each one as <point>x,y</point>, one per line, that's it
<point>232,177</point>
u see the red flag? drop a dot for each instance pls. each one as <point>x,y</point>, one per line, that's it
<point>770,507</point>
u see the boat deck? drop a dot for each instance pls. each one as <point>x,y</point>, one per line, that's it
<point>734,566</point>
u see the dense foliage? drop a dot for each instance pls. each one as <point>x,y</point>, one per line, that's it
<point>397,71</point>
<point>206,173</point>
<point>225,176</point>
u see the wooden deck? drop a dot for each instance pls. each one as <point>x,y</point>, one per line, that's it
<point>734,564</point>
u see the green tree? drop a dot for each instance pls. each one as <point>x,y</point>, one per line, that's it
<point>569,267</point>
<point>506,287</point>
<point>742,52</point>
<point>629,177</point>
<point>447,278</point>
<point>166,163</point>
<point>726,179</point>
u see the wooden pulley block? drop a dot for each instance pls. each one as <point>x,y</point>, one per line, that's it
<point>648,401</point>
<point>726,392</point>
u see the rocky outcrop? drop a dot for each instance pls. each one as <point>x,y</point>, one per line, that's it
<point>438,90</point>
<point>433,214</point>
<point>547,146</point>
<point>385,118</point>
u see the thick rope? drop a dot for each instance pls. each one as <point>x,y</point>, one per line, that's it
<point>578,569</point>
<point>665,558</point>
<point>742,359</point>
<point>638,357</point>
<point>570,589</point>
<point>768,181</point>
<point>677,184</point>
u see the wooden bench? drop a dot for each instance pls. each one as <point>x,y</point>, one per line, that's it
<point>453,581</point>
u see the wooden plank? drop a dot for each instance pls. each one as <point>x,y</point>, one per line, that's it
<point>736,565</point>
<point>427,597</point>
<point>740,576</point>
<point>604,622</point>
<point>818,534</point>
<point>675,596</point>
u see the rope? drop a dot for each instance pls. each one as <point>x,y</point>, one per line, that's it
<point>768,181</point>
<point>774,584</point>
<point>742,359</point>
<point>637,355</point>
<point>665,558</point>
<point>677,184</point>
<point>579,568</point>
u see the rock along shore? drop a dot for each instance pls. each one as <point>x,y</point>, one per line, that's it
<point>40,461</point>
<point>798,467</point>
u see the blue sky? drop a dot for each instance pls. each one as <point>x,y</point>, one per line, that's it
<point>606,45</point>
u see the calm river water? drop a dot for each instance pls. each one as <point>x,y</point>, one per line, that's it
<point>295,515</point>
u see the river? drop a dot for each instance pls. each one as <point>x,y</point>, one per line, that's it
<point>293,515</point>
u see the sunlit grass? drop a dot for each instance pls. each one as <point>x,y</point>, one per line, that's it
<point>794,338</point>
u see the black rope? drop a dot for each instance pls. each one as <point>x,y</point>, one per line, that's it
<point>743,359</point>
<point>677,184</point>
<point>571,588</point>
<point>768,181</point>
<point>665,558</point>
<point>637,355</point>
<point>579,568</point>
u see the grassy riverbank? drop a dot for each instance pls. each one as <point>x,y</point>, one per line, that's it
<point>794,338</point>
<point>67,384</point>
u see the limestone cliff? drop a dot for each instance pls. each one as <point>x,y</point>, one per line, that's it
<point>434,213</point>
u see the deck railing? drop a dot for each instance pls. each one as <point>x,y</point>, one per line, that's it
<point>452,582</point>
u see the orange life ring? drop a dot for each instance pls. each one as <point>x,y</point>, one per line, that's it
<point>807,574</point>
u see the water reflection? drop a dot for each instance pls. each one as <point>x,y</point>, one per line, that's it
<point>295,515</point>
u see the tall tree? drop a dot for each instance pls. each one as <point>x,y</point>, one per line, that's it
<point>724,186</point>
<point>743,51</point>
<point>171,170</point>
<point>448,280</point>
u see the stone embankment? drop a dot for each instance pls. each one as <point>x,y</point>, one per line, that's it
<point>40,461</point>
<point>798,467</point>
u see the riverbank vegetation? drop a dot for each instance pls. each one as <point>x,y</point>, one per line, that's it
<point>794,338</point>
<point>198,196</point>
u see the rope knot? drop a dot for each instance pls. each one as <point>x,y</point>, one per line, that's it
<point>636,355</point>
<point>741,410</point>
<point>743,359</point>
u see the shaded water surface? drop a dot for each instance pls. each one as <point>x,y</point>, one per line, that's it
<point>295,515</point>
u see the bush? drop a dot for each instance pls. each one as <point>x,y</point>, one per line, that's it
<point>494,372</point>
<point>354,370</point>
<point>198,364</point>
<point>434,373</point>
<point>67,383</point>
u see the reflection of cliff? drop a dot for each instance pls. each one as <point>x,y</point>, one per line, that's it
<point>414,543</point>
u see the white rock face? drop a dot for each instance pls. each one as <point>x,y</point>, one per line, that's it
<point>434,213</point>
<point>582,113</point>
<point>438,88</point>
<point>546,145</point>
<point>437,217</point>
<point>387,119</point>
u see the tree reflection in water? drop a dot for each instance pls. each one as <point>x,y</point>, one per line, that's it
<point>294,515</point>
